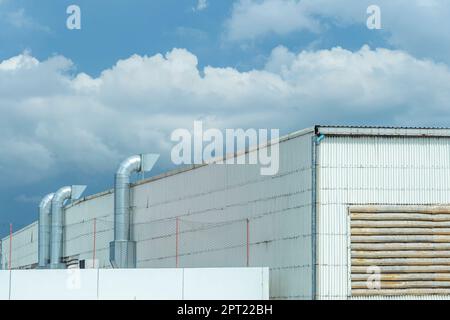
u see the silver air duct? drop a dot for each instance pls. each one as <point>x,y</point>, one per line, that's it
<point>44,231</point>
<point>60,197</point>
<point>122,249</point>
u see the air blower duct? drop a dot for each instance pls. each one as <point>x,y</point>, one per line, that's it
<point>60,197</point>
<point>44,231</point>
<point>122,252</point>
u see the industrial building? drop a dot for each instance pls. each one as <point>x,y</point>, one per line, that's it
<point>354,212</point>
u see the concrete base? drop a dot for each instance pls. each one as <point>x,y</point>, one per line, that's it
<point>122,254</point>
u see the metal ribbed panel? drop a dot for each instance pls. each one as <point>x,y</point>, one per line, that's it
<point>377,171</point>
<point>409,249</point>
<point>24,248</point>
<point>278,209</point>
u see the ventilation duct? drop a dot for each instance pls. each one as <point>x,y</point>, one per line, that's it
<point>122,249</point>
<point>44,231</point>
<point>60,197</point>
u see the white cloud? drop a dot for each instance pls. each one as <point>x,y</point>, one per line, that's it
<point>77,123</point>
<point>418,26</point>
<point>19,62</point>
<point>18,18</point>
<point>21,20</point>
<point>201,5</point>
<point>252,19</point>
<point>191,33</point>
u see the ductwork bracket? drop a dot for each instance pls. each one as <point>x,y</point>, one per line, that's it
<point>77,191</point>
<point>148,161</point>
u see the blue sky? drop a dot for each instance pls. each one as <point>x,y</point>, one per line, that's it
<point>113,30</point>
<point>139,69</point>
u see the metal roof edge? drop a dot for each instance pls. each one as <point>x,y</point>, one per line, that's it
<point>28,226</point>
<point>90,197</point>
<point>173,172</point>
<point>382,131</point>
<point>187,168</point>
<point>317,129</point>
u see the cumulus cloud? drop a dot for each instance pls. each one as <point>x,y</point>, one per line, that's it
<point>54,120</point>
<point>418,26</point>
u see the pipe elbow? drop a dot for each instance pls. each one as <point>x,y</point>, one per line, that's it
<point>46,201</point>
<point>130,165</point>
<point>61,195</point>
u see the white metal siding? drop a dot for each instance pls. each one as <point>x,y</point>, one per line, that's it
<point>278,209</point>
<point>379,170</point>
<point>24,248</point>
<point>79,229</point>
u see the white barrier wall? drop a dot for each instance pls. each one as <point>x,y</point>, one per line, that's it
<point>68,284</point>
<point>136,284</point>
<point>236,284</point>
<point>151,284</point>
<point>4,285</point>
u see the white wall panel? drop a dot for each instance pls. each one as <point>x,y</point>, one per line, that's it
<point>140,284</point>
<point>136,284</point>
<point>4,284</point>
<point>227,284</point>
<point>70,284</point>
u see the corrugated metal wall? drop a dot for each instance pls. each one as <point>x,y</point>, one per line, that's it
<point>211,205</point>
<point>81,235</point>
<point>371,170</point>
<point>24,247</point>
<point>278,209</point>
